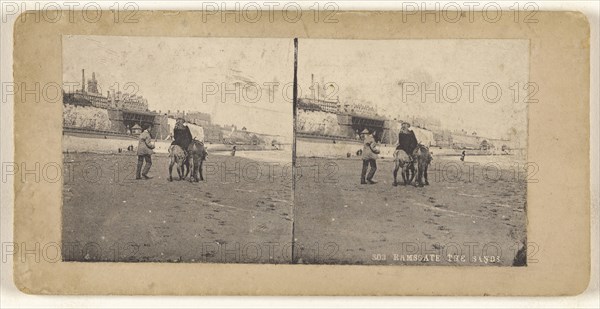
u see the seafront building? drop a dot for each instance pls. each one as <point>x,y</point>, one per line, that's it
<point>87,110</point>
<point>330,121</point>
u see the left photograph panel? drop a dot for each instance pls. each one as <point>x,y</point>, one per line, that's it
<point>177,149</point>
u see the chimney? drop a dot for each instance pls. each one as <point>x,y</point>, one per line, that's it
<point>82,80</point>
<point>312,85</point>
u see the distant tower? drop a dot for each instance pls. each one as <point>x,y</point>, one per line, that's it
<point>118,99</point>
<point>93,84</point>
<point>312,86</point>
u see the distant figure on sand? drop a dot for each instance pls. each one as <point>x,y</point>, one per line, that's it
<point>462,156</point>
<point>144,153</point>
<point>369,156</point>
<point>233,149</point>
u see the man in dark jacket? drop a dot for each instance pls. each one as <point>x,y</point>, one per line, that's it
<point>182,136</point>
<point>407,141</point>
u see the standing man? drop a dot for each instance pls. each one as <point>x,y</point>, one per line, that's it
<point>144,153</point>
<point>369,157</point>
<point>407,141</point>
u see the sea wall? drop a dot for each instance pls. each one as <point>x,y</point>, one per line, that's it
<point>86,117</point>
<point>317,122</point>
<point>110,144</point>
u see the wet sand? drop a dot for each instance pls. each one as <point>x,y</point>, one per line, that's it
<point>240,215</point>
<point>459,219</point>
<point>235,216</point>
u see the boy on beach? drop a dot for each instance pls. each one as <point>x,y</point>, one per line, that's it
<point>144,153</point>
<point>369,156</point>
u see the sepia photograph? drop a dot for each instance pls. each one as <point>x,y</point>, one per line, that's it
<point>412,152</point>
<point>404,152</point>
<point>167,154</point>
<point>196,152</point>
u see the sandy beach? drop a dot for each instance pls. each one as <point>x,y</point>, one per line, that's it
<point>459,219</point>
<point>235,216</point>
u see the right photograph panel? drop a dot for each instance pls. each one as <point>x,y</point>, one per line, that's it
<point>412,152</point>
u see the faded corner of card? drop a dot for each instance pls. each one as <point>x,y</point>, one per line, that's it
<point>23,281</point>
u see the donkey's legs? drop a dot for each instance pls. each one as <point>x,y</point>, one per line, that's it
<point>412,172</point>
<point>395,172</point>
<point>186,165</point>
<point>200,169</point>
<point>180,170</point>
<point>191,168</point>
<point>419,180</point>
<point>171,169</point>
<point>196,170</point>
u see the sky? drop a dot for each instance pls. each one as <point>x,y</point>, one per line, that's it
<point>187,73</point>
<point>193,74</point>
<point>381,72</point>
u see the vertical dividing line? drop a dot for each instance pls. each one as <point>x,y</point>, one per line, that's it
<point>294,108</point>
<point>294,112</point>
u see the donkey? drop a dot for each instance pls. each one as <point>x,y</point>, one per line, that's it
<point>197,154</point>
<point>177,156</point>
<point>423,159</point>
<point>402,161</point>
